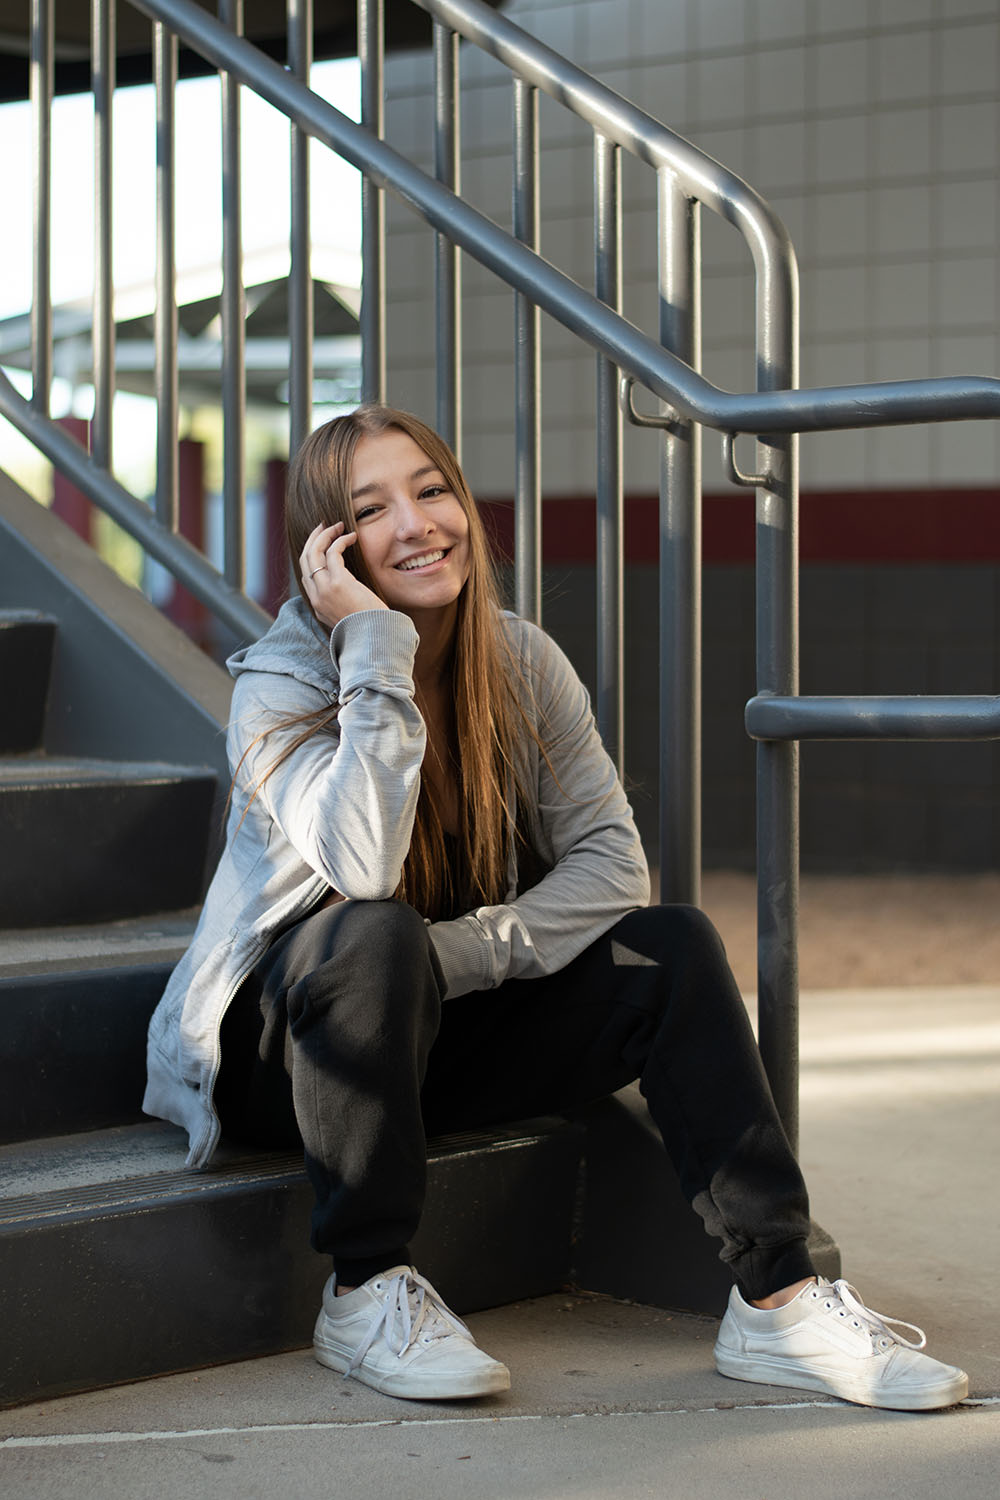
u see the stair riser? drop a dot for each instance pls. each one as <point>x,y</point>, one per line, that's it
<point>98,852</point>
<point>74,1053</point>
<point>228,1274</point>
<point>26,647</point>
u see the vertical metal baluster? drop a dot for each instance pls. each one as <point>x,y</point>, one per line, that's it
<point>680,561</point>
<point>300,287</point>
<point>233,319</point>
<point>165,316</point>
<point>610,515</point>
<point>40,85</point>
<point>371,53</point>
<point>103,79</point>
<point>527,368</point>
<point>447,268</point>
<point>778,672</point>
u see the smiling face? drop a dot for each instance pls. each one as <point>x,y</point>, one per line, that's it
<point>412,529</point>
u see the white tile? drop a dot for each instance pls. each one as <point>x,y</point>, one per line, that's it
<point>661,89</point>
<point>903,219</point>
<point>833,298</point>
<point>488,326</point>
<point>486,184</point>
<point>901,296</point>
<point>603,33</point>
<point>842,223</point>
<point>658,27</point>
<point>409,263</point>
<point>830,460</point>
<point>901,66</point>
<point>411,389</point>
<point>901,140</point>
<point>487,116</point>
<point>718,23</point>
<point>966,354</point>
<point>780,80</point>
<point>965,215</point>
<point>488,387</point>
<point>903,358</point>
<point>966,291</point>
<point>837,362</point>
<point>900,456</point>
<point>841,74</point>
<point>780,20</point>
<point>727,306</point>
<point>904,12</point>
<point>965,453</point>
<point>488,461</point>
<point>831,16</point>
<point>567,461</point>
<point>781,157</point>
<point>969,58</point>
<point>569,390</point>
<point>718,89</point>
<point>841,147</point>
<point>967,137</point>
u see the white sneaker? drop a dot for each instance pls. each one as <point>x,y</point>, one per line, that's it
<point>825,1339</point>
<point>396,1333</point>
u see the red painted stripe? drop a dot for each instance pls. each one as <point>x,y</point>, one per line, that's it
<point>849,526</point>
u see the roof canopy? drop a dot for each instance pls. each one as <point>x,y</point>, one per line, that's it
<point>265,25</point>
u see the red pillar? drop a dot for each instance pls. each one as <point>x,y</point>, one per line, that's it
<point>182,607</point>
<point>69,503</point>
<point>277,586</point>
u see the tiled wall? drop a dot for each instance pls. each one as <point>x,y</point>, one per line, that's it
<point>873,128</point>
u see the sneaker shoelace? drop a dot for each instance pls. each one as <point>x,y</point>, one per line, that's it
<point>410,1309</point>
<point>883,1335</point>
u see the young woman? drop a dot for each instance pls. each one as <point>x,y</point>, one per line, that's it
<point>431,915</point>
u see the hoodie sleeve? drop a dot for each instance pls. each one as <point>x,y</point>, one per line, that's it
<point>583,827</point>
<point>344,799</point>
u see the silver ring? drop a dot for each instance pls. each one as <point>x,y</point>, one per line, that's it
<point>317,570</point>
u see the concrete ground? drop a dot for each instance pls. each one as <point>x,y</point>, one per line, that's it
<point>900,1131</point>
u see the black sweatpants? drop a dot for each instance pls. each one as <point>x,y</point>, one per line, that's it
<point>340,1039</point>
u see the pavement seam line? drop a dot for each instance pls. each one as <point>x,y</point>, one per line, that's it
<point>90,1439</point>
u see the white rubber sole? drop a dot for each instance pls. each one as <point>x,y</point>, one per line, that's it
<point>945,1391</point>
<point>421,1385</point>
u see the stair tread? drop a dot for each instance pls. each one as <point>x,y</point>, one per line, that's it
<point>95,1169</point>
<point>159,938</point>
<point>33,769</point>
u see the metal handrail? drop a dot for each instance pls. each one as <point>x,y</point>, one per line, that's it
<point>949,398</point>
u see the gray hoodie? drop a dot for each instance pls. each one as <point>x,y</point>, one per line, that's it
<point>338,815</point>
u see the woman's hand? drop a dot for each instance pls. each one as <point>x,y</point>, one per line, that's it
<point>332,590</point>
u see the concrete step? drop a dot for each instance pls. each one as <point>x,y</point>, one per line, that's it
<point>116,1263</point>
<point>93,840</point>
<point>27,641</point>
<point>75,1003</point>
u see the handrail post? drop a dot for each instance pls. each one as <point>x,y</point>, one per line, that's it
<point>610,512</point>
<point>447,267</point>
<point>371,54</point>
<point>103,83</point>
<point>41,72</point>
<point>680,559</point>
<point>165,314</point>
<point>300,287</point>
<point>777,625</point>
<point>233,319</point>
<point>527,368</point>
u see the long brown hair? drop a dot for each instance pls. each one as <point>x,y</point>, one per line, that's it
<point>487,683</point>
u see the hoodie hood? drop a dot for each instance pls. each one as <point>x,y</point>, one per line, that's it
<point>296,645</point>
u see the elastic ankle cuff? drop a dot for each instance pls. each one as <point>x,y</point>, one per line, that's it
<point>768,1268</point>
<point>356,1272</point>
